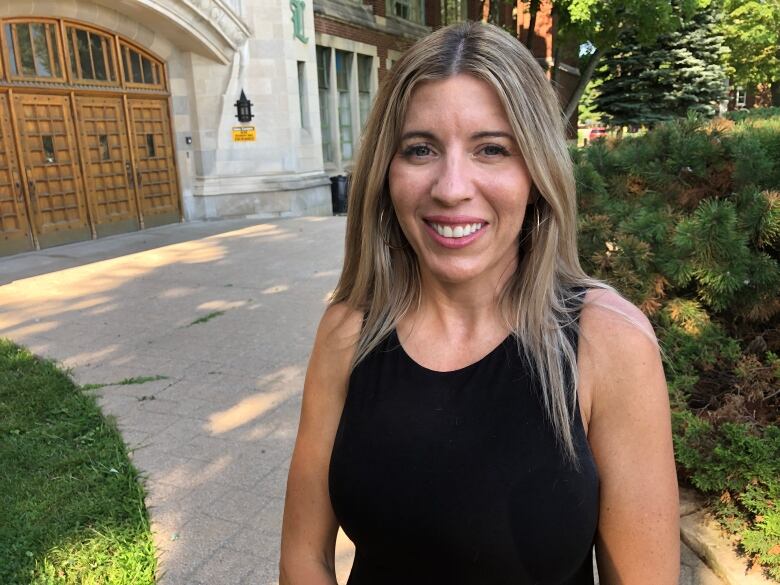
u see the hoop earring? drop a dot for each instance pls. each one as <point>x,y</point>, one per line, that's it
<point>383,233</point>
<point>529,228</point>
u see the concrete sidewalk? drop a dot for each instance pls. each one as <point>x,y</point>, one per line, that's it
<point>215,435</point>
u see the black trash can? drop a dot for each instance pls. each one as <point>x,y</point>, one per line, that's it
<point>338,193</point>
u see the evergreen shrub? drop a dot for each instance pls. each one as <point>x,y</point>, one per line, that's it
<point>685,221</point>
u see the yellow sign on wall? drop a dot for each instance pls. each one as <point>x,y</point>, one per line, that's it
<point>244,134</point>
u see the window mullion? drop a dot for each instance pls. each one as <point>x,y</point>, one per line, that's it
<point>17,52</point>
<point>33,49</point>
<point>51,50</point>
<point>91,56</point>
<point>354,99</point>
<point>76,57</point>
<point>335,127</point>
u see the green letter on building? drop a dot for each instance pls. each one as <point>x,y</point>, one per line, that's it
<point>297,7</point>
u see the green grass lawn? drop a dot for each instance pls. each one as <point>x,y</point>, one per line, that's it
<point>71,504</point>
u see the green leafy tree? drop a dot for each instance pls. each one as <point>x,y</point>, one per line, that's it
<point>587,107</point>
<point>752,31</point>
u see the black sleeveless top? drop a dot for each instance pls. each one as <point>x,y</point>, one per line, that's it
<point>455,477</point>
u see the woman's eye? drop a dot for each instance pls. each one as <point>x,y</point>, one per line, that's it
<point>418,150</point>
<point>494,150</point>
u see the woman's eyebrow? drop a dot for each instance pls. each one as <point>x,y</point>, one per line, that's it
<point>476,136</point>
<point>418,134</point>
<point>492,134</point>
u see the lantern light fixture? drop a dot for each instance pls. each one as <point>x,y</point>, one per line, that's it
<point>244,109</point>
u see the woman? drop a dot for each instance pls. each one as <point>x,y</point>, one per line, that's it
<point>476,409</point>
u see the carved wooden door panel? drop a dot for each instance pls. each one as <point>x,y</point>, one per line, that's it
<point>51,162</point>
<point>14,225</point>
<point>106,154</point>
<point>155,167</point>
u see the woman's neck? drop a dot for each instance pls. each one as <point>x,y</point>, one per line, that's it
<point>458,310</point>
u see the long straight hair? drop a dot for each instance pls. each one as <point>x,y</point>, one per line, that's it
<point>381,275</point>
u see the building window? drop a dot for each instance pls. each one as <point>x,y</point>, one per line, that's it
<point>365,64</point>
<point>453,11</point>
<point>346,86</point>
<point>343,75</point>
<point>140,69</point>
<point>413,10</point>
<point>105,150</point>
<point>91,55</point>
<point>323,81</point>
<point>302,102</point>
<point>49,155</point>
<point>33,50</point>
<point>740,97</point>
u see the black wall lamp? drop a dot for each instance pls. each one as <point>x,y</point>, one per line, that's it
<point>244,109</point>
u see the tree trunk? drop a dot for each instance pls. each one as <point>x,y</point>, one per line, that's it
<point>557,52</point>
<point>555,67</point>
<point>533,8</point>
<point>490,11</point>
<point>585,77</point>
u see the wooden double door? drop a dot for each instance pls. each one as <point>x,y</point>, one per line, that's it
<point>73,167</point>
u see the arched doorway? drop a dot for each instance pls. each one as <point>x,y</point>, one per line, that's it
<point>86,146</point>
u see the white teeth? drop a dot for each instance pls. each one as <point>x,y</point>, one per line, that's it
<point>458,231</point>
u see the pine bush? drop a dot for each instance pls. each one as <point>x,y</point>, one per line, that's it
<point>685,221</point>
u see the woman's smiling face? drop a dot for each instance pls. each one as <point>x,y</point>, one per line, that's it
<point>458,183</point>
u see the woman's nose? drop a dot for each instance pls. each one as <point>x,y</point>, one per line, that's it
<point>454,184</point>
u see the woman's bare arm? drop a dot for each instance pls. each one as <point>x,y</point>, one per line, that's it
<point>629,431</point>
<point>309,527</point>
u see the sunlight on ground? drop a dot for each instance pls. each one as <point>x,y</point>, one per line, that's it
<point>255,406</point>
<point>185,475</point>
<point>272,290</point>
<point>263,229</point>
<point>177,292</point>
<point>220,305</point>
<point>90,356</point>
<point>36,328</point>
<point>104,309</point>
<point>85,287</point>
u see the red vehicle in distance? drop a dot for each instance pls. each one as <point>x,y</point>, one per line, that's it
<point>597,133</point>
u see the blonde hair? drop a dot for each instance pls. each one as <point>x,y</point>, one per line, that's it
<point>381,275</point>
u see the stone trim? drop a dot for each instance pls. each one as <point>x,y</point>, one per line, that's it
<point>222,17</point>
<point>212,22</point>
<point>702,534</point>
<point>232,185</point>
<point>344,44</point>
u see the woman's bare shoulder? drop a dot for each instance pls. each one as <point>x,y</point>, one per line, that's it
<point>608,318</point>
<point>334,346</point>
<point>340,327</point>
<point>618,349</point>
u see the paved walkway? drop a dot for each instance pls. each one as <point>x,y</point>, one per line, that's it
<point>214,436</point>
